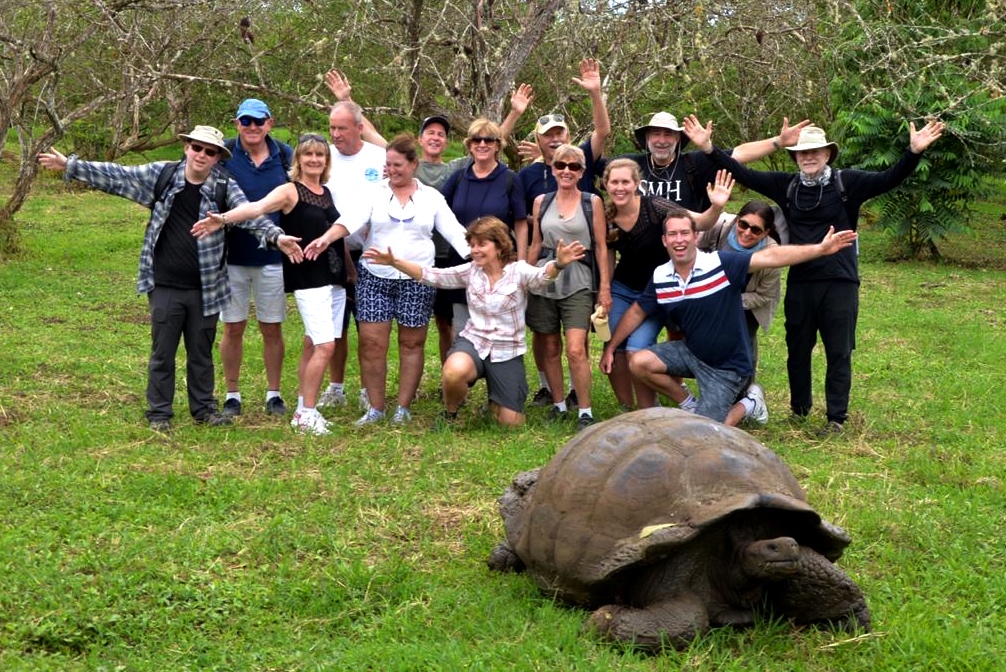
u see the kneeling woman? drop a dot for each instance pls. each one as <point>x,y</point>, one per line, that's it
<point>492,343</point>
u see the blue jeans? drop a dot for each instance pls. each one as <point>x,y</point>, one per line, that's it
<point>645,334</point>
<point>718,388</point>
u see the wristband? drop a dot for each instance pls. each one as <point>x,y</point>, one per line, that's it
<point>775,143</point>
<point>559,266</point>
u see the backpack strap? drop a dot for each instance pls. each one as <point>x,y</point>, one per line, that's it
<point>164,178</point>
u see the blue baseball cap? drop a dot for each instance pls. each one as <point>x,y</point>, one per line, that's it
<point>253,107</point>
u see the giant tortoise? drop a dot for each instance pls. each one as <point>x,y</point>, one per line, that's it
<point>667,524</point>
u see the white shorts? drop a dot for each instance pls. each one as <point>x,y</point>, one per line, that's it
<point>321,310</point>
<point>267,284</point>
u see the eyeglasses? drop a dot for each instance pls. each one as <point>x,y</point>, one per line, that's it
<point>551,118</point>
<point>575,166</point>
<point>311,137</point>
<point>248,121</point>
<point>745,226</point>
<point>208,151</point>
<point>480,139</point>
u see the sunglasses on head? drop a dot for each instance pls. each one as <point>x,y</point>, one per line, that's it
<point>311,137</point>
<point>479,139</point>
<point>744,225</point>
<point>248,121</point>
<point>551,118</point>
<point>575,166</point>
<point>208,151</point>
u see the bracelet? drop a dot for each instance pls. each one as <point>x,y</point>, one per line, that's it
<point>775,143</point>
<point>223,217</point>
<point>559,266</point>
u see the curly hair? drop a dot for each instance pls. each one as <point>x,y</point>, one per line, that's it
<point>492,229</point>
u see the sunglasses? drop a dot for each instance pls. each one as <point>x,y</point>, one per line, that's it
<point>311,137</point>
<point>208,151</point>
<point>248,121</point>
<point>743,225</point>
<point>563,165</point>
<point>551,118</point>
<point>480,139</point>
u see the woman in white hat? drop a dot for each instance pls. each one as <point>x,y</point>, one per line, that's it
<point>822,295</point>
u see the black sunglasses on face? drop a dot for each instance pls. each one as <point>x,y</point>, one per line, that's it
<point>248,121</point>
<point>562,165</point>
<point>744,226</point>
<point>208,151</point>
<point>479,139</point>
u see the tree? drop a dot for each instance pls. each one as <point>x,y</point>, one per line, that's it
<point>902,62</point>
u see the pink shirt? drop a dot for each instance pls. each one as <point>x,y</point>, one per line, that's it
<point>496,326</point>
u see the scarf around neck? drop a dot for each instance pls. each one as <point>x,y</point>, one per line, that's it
<point>821,180</point>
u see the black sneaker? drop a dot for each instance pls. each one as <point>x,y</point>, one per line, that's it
<point>542,397</point>
<point>571,400</point>
<point>232,407</point>
<point>585,421</point>
<point>555,415</point>
<point>160,425</point>
<point>215,420</point>
<point>273,406</point>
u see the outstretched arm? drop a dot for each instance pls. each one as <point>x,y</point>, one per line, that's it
<point>387,258</point>
<point>590,79</point>
<point>750,151</point>
<point>52,160</point>
<point>339,85</point>
<point>778,256</point>
<point>283,197</point>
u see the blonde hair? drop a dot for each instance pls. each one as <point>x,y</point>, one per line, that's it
<point>486,128</point>
<point>306,142</point>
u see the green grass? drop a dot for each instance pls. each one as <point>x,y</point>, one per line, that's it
<point>252,548</point>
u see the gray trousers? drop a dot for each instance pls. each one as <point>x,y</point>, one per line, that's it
<point>176,314</point>
<point>719,389</point>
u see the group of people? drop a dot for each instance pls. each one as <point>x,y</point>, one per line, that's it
<point>357,226</point>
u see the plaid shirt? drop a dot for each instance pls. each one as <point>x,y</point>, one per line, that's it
<point>137,184</point>
<point>496,326</point>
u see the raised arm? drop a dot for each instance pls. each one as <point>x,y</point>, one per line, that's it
<point>339,85</point>
<point>919,140</point>
<point>520,100</point>
<point>590,79</point>
<point>719,193</point>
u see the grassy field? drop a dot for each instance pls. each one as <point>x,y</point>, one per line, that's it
<point>252,548</point>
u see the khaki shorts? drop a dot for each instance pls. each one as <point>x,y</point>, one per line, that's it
<point>550,316</point>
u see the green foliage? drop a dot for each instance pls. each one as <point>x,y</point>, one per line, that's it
<point>909,66</point>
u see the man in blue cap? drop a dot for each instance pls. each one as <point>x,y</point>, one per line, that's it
<point>259,164</point>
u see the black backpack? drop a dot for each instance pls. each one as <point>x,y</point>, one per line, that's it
<point>587,205</point>
<point>782,226</point>
<point>167,177</point>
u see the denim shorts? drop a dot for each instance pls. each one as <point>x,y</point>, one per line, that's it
<point>718,388</point>
<point>646,333</point>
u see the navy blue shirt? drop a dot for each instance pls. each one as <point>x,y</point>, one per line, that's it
<point>707,306</point>
<point>498,194</point>
<point>256,181</point>
<point>537,179</point>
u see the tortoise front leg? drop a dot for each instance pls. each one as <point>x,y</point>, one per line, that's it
<point>675,622</point>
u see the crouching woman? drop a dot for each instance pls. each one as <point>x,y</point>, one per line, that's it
<point>492,344</point>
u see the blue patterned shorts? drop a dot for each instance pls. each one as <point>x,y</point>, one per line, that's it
<point>382,299</point>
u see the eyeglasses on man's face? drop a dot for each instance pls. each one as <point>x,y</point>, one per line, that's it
<point>208,151</point>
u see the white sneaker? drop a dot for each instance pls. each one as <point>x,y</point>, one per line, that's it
<point>371,416</point>
<point>363,400</point>
<point>332,398</point>
<point>310,422</point>
<point>402,416</point>
<point>758,414</point>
